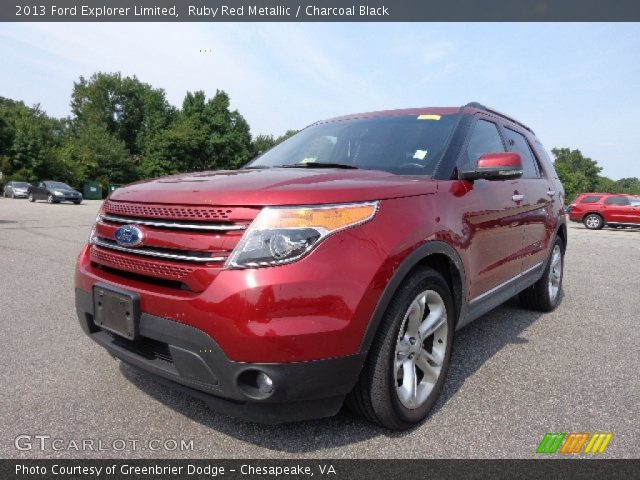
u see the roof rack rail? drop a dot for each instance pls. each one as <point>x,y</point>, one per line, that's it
<point>479,106</point>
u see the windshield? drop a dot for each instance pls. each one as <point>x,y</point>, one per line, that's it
<point>20,185</point>
<point>404,145</point>
<point>64,186</point>
<point>634,201</point>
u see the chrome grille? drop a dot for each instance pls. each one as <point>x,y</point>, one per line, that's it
<point>173,224</point>
<point>156,253</point>
<point>149,267</point>
<point>183,244</point>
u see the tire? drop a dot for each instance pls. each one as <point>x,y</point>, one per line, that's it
<point>545,294</point>
<point>77,202</point>
<point>381,395</point>
<point>51,200</point>
<point>13,195</point>
<point>32,198</point>
<point>593,221</point>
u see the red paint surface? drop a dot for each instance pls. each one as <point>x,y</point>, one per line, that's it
<point>320,306</point>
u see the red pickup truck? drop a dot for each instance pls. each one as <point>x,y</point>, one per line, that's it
<point>336,265</point>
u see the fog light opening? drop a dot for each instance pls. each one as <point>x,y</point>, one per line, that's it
<point>256,384</point>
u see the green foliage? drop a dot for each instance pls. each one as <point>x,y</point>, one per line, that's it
<point>121,130</point>
<point>629,185</point>
<point>94,153</point>
<point>262,143</point>
<point>130,110</point>
<point>205,135</point>
<point>580,174</point>
<point>174,149</point>
<point>28,139</point>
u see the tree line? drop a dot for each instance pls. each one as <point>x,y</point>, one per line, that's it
<point>580,174</point>
<point>121,130</point>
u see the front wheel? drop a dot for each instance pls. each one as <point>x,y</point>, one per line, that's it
<point>410,355</point>
<point>77,202</point>
<point>32,198</point>
<point>593,221</point>
<point>544,295</point>
<point>50,199</point>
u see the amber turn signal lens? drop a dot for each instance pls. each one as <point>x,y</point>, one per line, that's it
<point>329,218</point>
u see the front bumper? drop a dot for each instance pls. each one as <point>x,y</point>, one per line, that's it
<point>187,357</point>
<point>68,198</point>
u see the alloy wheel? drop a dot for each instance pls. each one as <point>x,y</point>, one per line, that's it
<point>421,348</point>
<point>593,221</point>
<point>555,272</point>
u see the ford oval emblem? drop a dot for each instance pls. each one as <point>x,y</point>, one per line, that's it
<point>128,236</point>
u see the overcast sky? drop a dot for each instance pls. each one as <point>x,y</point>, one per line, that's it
<point>577,85</point>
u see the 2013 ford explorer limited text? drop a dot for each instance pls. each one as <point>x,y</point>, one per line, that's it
<point>334,267</point>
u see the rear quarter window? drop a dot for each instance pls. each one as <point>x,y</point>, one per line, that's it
<point>617,201</point>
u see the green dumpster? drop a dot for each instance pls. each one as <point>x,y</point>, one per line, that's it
<point>112,187</point>
<point>92,191</point>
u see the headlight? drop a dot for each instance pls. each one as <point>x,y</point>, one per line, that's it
<point>92,233</point>
<point>281,235</point>
<point>56,192</point>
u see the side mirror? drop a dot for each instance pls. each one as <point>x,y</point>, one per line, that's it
<point>495,166</point>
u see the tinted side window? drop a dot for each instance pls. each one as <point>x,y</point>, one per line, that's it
<point>517,143</point>
<point>484,139</point>
<point>591,199</point>
<point>617,201</point>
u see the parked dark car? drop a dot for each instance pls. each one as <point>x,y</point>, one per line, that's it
<point>54,192</point>
<point>15,189</point>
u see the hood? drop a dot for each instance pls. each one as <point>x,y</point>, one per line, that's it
<point>275,186</point>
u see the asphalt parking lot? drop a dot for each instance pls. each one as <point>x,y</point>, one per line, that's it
<point>515,375</point>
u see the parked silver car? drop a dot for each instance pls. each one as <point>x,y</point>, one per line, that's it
<point>16,189</point>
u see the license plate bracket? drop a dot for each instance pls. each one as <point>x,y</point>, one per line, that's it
<point>117,311</point>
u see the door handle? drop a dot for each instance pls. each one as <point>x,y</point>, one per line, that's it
<point>551,193</point>
<point>517,198</point>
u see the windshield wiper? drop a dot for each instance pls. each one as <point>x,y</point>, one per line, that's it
<point>319,165</point>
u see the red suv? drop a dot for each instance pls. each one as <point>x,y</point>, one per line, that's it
<point>336,265</point>
<point>596,210</point>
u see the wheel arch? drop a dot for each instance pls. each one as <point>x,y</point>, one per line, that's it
<point>435,254</point>
<point>561,231</point>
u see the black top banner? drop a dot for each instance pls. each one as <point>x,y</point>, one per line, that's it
<point>320,11</point>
